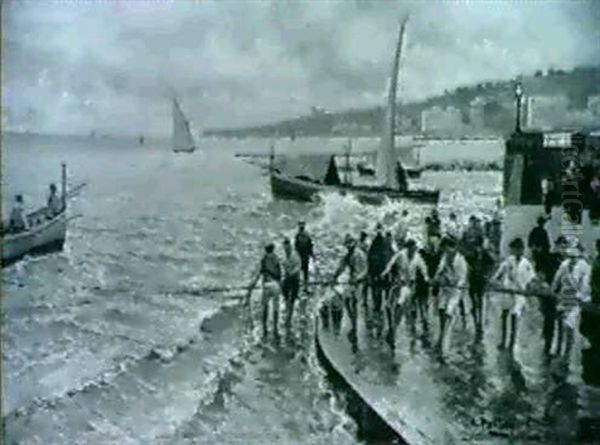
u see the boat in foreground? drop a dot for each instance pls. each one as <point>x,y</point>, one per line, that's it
<point>44,234</point>
<point>46,237</point>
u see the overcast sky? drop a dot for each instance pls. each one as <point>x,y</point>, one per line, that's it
<point>73,66</point>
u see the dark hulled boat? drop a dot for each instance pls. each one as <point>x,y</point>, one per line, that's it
<point>305,189</point>
<point>286,183</point>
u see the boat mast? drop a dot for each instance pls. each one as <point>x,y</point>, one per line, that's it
<point>64,185</point>
<point>272,157</point>
<point>385,159</point>
<point>519,97</point>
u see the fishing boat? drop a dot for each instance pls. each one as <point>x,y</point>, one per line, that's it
<point>44,234</point>
<point>288,185</point>
<point>181,140</point>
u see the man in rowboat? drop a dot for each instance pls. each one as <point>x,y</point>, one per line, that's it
<point>18,221</point>
<point>269,269</point>
<point>54,203</point>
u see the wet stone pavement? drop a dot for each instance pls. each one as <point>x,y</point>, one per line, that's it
<point>474,392</point>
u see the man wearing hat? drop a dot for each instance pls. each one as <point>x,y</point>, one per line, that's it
<point>451,276</point>
<point>571,286</point>
<point>18,221</point>
<point>269,269</point>
<point>291,280</point>
<point>304,246</point>
<point>355,262</point>
<point>377,259</point>
<point>539,243</point>
<point>411,285</point>
<point>514,274</point>
<point>53,203</point>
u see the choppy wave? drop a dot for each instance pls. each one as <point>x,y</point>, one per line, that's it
<point>113,340</point>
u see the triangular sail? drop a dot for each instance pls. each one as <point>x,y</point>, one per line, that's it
<point>386,158</point>
<point>182,139</point>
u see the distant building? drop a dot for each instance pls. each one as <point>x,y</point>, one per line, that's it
<point>593,104</point>
<point>351,129</point>
<point>546,112</point>
<point>477,112</point>
<point>404,123</point>
<point>441,122</point>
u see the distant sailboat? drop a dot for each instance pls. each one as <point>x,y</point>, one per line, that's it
<point>387,157</point>
<point>181,140</point>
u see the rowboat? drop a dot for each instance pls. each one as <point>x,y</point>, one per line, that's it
<point>44,234</point>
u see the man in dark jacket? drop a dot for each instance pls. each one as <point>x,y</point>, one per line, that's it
<point>304,247</point>
<point>539,243</point>
<point>377,259</point>
<point>549,267</point>
<point>401,177</point>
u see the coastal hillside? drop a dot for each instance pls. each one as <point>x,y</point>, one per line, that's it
<point>553,99</point>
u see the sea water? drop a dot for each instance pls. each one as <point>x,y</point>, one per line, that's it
<point>109,341</point>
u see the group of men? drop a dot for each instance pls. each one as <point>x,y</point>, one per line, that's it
<point>390,278</point>
<point>400,278</point>
<point>283,277</point>
<point>18,221</point>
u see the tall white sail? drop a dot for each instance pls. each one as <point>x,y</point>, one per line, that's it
<point>181,139</point>
<point>386,158</point>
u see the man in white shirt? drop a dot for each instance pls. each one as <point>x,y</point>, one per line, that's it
<point>514,274</point>
<point>451,276</point>
<point>572,286</point>
<point>418,282</point>
<point>452,227</point>
<point>18,221</point>
<point>396,274</point>
<point>402,229</point>
<point>355,261</point>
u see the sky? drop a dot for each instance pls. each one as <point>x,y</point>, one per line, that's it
<point>112,66</point>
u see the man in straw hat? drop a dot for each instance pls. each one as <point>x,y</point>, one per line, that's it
<point>571,286</point>
<point>356,263</point>
<point>514,274</point>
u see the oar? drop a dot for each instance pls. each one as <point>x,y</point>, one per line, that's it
<point>75,190</point>
<point>72,217</point>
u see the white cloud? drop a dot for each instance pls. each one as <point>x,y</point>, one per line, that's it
<point>240,63</point>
